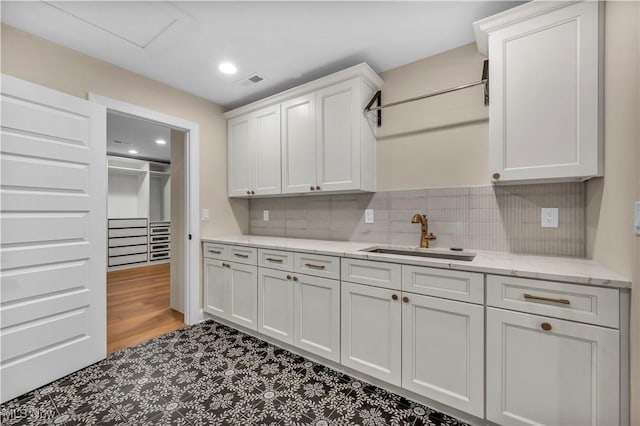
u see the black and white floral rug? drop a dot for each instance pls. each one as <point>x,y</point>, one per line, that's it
<point>210,374</point>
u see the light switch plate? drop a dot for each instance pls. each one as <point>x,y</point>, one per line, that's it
<point>204,215</point>
<point>549,217</point>
<point>265,215</point>
<point>636,217</point>
<point>368,216</point>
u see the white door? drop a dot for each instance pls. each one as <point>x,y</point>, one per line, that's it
<point>53,248</point>
<point>241,153</point>
<point>371,331</point>
<point>299,144</point>
<point>275,304</point>
<point>443,351</point>
<point>566,373</point>
<point>317,316</point>
<point>267,172</point>
<point>243,295</point>
<point>215,287</point>
<point>338,136</point>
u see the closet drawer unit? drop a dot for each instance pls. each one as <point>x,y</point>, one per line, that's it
<point>119,251</point>
<point>378,274</point>
<point>127,241</point>
<point>159,255</point>
<point>127,223</point>
<point>589,304</point>
<point>124,260</point>
<point>240,254</point>
<point>159,230</point>
<point>160,247</point>
<point>275,259</point>
<point>127,232</point>
<point>215,251</point>
<point>445,283</point>
<point>318,265</point>
<point>153,239</point>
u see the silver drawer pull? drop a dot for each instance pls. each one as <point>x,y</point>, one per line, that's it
<point>214,251</point>
<point>271,259</point>
<point>244,256</point>
<point>312,266</point>
<point>547,299</point>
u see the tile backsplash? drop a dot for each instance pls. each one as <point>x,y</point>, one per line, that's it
<point>502,218</point>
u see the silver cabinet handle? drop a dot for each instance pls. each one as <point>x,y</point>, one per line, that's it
<point>547,299</point>
<point>271,259</point>
<point>312,266</point>
<point>244,256</point>
<point>214,251</point>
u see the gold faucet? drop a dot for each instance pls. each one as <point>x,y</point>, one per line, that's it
<point>425,235</point>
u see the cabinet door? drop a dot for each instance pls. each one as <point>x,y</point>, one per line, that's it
<point>243,295</point>
<point>215,288</point>
<point>267,172</point>
<point>371,331</point>
<point>545,96</point>
<point>299,144</point>
<point>338,136</point>
<point>241,155</point>
<point>317,316</point>
<point>275,304</point>
<point>443,351</point>
<point>566,375</point>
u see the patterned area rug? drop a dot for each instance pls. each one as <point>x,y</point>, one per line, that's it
<point>210,374</point>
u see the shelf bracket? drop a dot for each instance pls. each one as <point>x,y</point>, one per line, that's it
<point>378,99</point>
<point>485,78</point>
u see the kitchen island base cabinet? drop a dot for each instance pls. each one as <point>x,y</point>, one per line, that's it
<point>371,331</point>
<point>443,351</point>
<point>546,371</point>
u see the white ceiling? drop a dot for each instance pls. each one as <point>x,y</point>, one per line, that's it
<point>125,133</point>
<point>287,43</point>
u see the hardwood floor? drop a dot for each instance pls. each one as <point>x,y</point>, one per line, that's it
<point>138,306</point>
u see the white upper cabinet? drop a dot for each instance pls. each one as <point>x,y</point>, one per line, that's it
<point>545,91</point>
<point>316,138</point>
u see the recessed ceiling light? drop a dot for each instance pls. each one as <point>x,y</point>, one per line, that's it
<point>227,68</point>
<point>161,142</point>
<point>132,151</point>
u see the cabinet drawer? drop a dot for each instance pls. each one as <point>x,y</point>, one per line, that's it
<point>127,223</point>
<point>124,260</point>
<point>127,232</point>
<point>318,265</point>
<point>456,285</point>
<point>214,251</point>
<point>119,251</point>
<point>127,241</point>
<point>160,230</point>
<point>159,255</point>
<point>275,259</point>
<point>160,247</point>
<point>379,274</point>
<point>593,305</point>
<point>240,254</point>
<point>159,239</point>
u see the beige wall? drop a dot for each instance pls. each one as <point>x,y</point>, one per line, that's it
<point>178,233</point>
<point>39,61</point>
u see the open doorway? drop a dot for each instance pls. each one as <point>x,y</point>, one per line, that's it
<point>146,222</point>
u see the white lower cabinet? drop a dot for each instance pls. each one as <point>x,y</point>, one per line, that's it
<point>546,371</point>
<point>275,304</point>
<point>443,351</point>
<point>371,331</point>
<point>215,288</point>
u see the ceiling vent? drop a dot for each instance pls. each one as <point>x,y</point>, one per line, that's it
<point>250,80</point>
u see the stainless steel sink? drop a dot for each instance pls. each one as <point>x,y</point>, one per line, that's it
<point>433,253</point>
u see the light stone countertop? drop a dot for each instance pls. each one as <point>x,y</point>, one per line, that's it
<point>565,269</point>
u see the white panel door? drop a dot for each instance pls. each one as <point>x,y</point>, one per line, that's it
<point>338,136</point>
<point>299,144</point>
<point>241,156</point>
<point>566,373</point>
<point>371,331</point>
<point>275,304</point>
<point>267,172</point>
<point>215,288</point>
<point>443,351</point>
<point>317,316</point>
<point>243,294</point>
<point>53,248</point>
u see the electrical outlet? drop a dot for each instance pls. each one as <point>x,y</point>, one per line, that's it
<point>265,215</point>
<point>636,217</point>
<point>368,216</point>
<point>549,217</point>
<point>204,214</point>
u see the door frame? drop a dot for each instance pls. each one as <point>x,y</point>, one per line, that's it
<point>192,312</point>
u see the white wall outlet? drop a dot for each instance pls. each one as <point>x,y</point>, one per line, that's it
<point>204,214</point>
<point>636,217</point>
<point>265,215</point>
<point>549,217</point>
<point>368,216</point>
